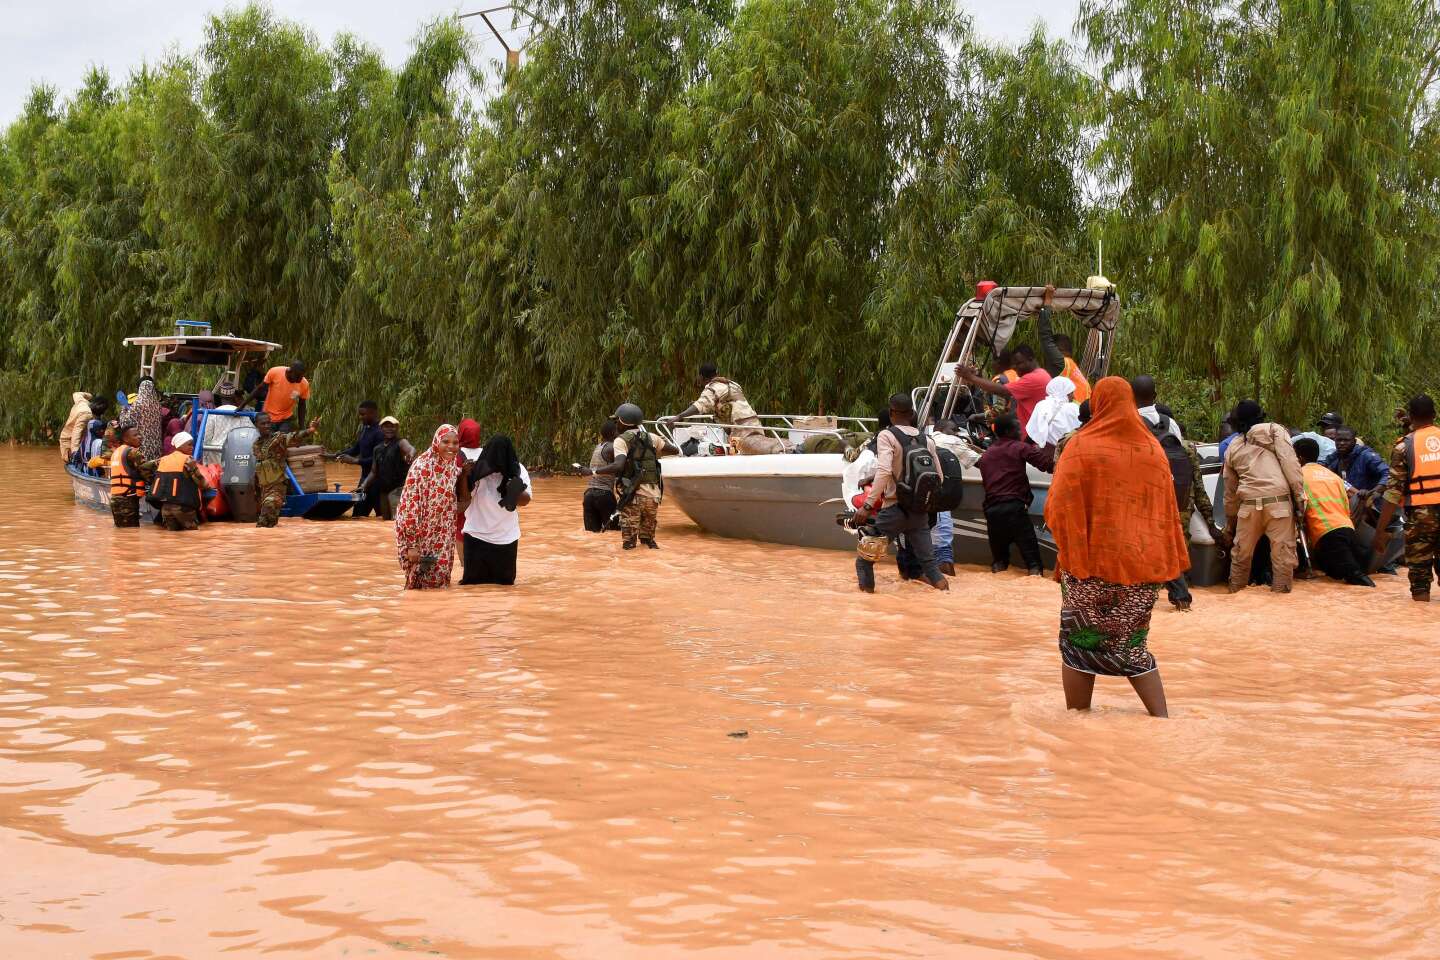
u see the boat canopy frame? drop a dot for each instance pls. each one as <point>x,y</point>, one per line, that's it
<point>991,322</point>
<point>225,351</point>
<point>782,426</point>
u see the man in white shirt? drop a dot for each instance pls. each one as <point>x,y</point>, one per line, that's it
<point>499,487</point>
<point>1144,389</point>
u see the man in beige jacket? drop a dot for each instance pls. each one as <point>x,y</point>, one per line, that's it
<point>72,435</point>
<point>1264,493</point>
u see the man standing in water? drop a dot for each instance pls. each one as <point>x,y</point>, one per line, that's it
<point>127,478</point>
<point>271,455</point>
<point>179,485</point>
<point>362,452</point>
<point>637,464</point>
<point>1263,492</point>
<point>891,446</point>
<point>723,399</point>
<point>1415,482</point>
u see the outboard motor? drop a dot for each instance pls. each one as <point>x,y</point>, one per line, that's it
<point>238,479</point>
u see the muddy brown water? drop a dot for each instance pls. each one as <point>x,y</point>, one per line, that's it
<point>244,742</point>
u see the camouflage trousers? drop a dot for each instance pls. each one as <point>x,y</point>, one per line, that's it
<point>176,517</point>
<point>638,519</point>
<point>1422,546</point>
<point>272,501</point>
<point>125,511</point>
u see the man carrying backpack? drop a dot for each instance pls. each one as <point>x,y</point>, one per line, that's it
<point>908,486</point>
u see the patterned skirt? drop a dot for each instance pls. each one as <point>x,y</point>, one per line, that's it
<point>1104,626</point>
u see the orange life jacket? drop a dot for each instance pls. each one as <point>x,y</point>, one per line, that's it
<point>1327,505</point>
<point>1082,386</point>
<point>1422,456</point>
<point>122,482</point>
<point>173,484</point>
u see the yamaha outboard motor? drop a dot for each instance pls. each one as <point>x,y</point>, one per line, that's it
<point>238,461</point>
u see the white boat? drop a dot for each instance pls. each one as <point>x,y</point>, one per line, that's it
<point>793,498</point>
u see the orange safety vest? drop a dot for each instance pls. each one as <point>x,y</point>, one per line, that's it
<point>122,483</point>
<point>1082,386</point>
<point>1422,457</point>
<point>173,484</point>
<point>1327,505</point>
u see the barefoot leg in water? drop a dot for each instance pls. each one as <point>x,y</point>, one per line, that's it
<point>1079,687</point>
<point>1152,693</point>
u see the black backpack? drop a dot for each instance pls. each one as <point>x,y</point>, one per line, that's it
<point>1181,472</point>
<point>919,487</point>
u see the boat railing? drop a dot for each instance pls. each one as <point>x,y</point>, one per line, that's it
<point>793,428</point>
<point>212,452</point>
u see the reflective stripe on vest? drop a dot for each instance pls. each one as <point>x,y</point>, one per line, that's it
<point>122,484</point>
<point>1422,456</point>
<point>1327,503</point>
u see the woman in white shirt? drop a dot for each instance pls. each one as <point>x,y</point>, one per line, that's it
<point>499,486</point>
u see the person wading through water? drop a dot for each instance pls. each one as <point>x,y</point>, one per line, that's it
<point>390,464</point>
<point>895,448</point>
<point>1111,507</point>
<point>179,487</point>
<point>637,464</point>
<point>1415,483</point>
<point>723,399</point>
<point>127,477</point>
<point>271,452</point>
<point>1264,492</point>
<point>1334,548</point>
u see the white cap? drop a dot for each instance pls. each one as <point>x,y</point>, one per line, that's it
<point>385,420</point>
<point>180,439</point>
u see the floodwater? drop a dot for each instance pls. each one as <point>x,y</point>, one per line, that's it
<point>244,742</point>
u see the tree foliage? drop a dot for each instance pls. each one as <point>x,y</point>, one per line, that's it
<point>803,191</point>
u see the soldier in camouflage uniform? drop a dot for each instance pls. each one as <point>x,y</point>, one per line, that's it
<point>125,507</point>
<point>270,453</point>
<point>1415,483</point>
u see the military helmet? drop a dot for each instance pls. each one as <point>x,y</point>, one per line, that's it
<point>629,414</point>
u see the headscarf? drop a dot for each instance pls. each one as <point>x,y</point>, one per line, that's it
<point>1111,505</point>
<point>205,400</point>
<point>172,426</point>
<point>425,516</point>
<point>499,456</point>
<point>147,415</point>
<point>1054,416</point>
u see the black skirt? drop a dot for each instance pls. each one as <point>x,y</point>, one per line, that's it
<point>489,562</point>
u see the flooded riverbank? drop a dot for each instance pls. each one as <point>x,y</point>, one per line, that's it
<point>240,742</point>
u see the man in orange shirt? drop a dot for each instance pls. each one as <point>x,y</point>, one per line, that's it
<point>287,389</point>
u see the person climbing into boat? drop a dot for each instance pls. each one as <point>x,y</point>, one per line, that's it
<point>1111,508</point>
<point>499,486</point>
<point>362,452</point>
<point>723,399</point>
<point>1028,386</point>
<point>1415,483</point>
<point>1008,495</point>
<point>598,505</point>
<point>425,516</point>
<point>1334,548</point>
<point>1144,389</point>
<point>73,432</point>
<point>1070,370</point>
<point>287,392</point>
<point>642,486</point>
<point>1056,415</point>
<point>894,446</point>
<point>179,487</point>
<point>127,477</point>
<point>271,453</point>
<point>148,414</point>
<point>389,465</point>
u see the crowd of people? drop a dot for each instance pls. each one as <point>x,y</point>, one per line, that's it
<point>1126,496</point>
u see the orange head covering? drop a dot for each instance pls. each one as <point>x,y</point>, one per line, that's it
<point>1111,504</point>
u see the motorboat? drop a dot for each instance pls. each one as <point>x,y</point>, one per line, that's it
<point>794,498</point>
<point>224,436</point>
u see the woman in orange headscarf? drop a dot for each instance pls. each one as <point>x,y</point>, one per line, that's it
<point>1111,508</point>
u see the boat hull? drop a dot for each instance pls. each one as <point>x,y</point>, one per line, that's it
<point>782,498</point>
<point>94,492</point>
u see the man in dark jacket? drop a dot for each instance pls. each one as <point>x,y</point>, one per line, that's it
<point>1008,495</point>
